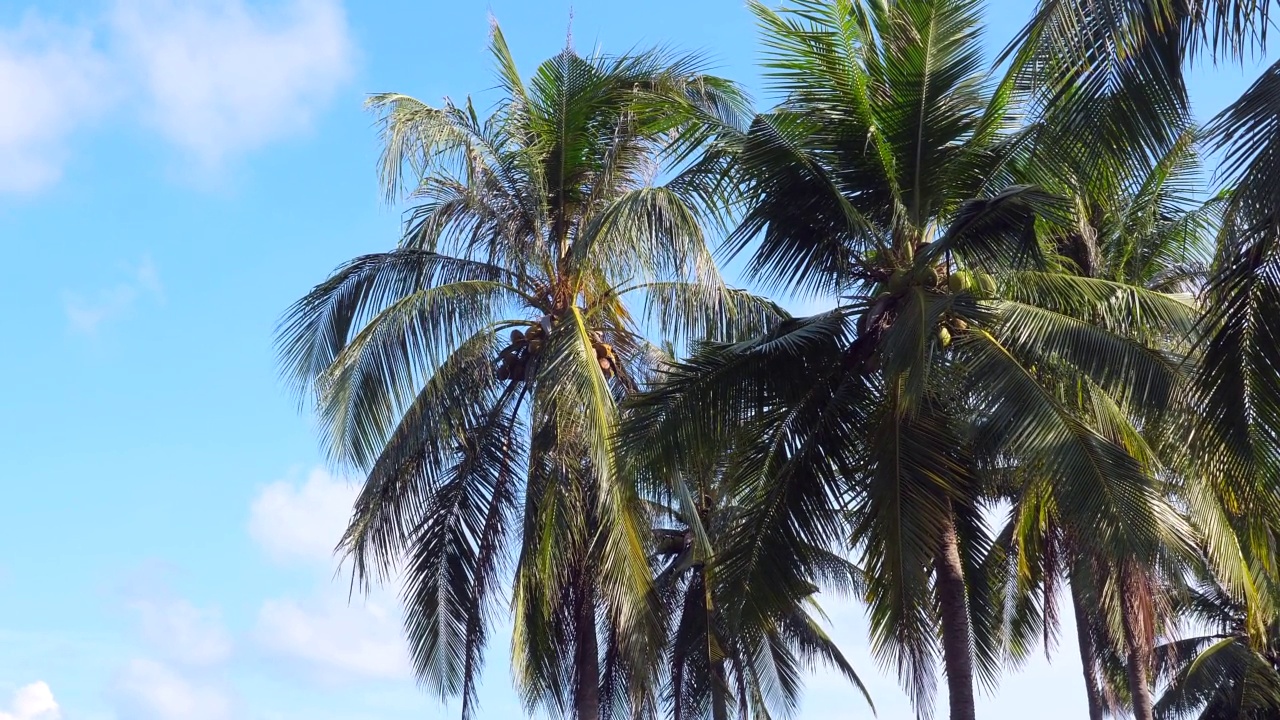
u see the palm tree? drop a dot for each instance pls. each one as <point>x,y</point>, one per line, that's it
<point>473,373</point>
<point>1086,54</point>
<point>886,177</point>
<point>1220,674</point>
<point>1113,72</point>
<point>1142,229</point>
<point>729,645</point>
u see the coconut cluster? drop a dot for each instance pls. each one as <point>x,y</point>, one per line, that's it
<point>515,358</point>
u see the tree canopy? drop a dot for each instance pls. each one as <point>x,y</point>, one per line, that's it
<point>1052,368</point>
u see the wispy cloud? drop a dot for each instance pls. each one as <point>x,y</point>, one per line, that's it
<point>302,521</point>
<point>52,82</point>
<point>33,702</point>
<point>149,690</point>
<point>216,78</point>
<point>183,633</point>
<point>182,671</point>
<point>86,314</point>
<point>331,635</point>
<point>221,78</point>
<point>334,639</point>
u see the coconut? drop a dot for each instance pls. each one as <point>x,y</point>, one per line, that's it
<point>960,281</point>
<point>944,337</point>
<point>517,337</point>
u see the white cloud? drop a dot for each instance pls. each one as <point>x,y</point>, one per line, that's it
<point>221,78</point>
<point>33,702</point>
<point>335,639</point>
<point>215,77</point>
<point>302,522</point>
<point>52,81</point>
<point>87,314</point>
<point>148,690</point>
<point>184,633</point>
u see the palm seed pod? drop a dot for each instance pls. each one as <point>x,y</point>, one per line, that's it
<point>960,281</point>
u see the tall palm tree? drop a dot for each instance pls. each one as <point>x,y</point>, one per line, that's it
<point>1137,50</point>
<point>885,177</point>
<point>732,645</point>
<point>1113,72</point>
<point>1143,229</point>
<point>473,372</point>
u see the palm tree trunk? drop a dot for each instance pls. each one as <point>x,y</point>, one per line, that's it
<point>587,662</point>
<point>719,691</point>
<point>1088,657</point>
<point>1137,641</point>
<point>956,656</point>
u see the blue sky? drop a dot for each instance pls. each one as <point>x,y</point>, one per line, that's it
<point>172,175</point>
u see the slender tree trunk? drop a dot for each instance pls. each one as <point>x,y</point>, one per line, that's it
<point>719,691</point>
<point>1137,640</point>
<point>1088,657</point>
<point>956,633</point>
<point>587,662</point>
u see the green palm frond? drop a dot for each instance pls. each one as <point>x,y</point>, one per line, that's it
<point>318,327</point>
<point>1236,447</point>
<point>684,311</point>
<point>1105,75</point>
<point>457,552</point>
<point>1219,674</point>
<point>410,466</point>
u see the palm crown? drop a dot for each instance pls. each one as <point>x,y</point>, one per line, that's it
<point>473,372</point>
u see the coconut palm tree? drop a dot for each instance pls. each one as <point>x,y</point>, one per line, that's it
<point>1130,56</point>
<point>1146,230</point>
<point>886,177</point>
<point>1113,72</point>
<point>472,374</point>
<point>733,646</point>
<point>1220,673</point>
